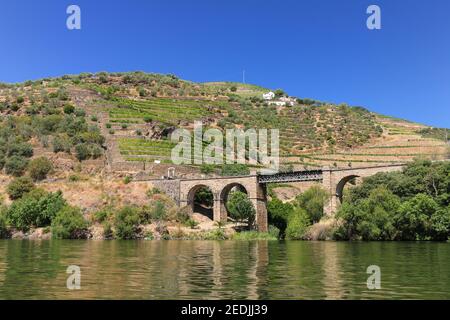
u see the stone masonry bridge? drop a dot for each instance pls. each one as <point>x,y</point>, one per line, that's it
<point>333,180</point>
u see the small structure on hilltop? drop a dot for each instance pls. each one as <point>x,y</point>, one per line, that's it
<point>269,96</point>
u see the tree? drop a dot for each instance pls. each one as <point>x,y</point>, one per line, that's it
<point>204,196</point>
<point>278,213</point>
<point>19,186</point>
<point>35,209</point>
<point>414,218</point>
<point>240,207</point>
<point>16,165</point>
<point>69,223</point>
<point>39,168</point>
<point>313,200</point>
<point>369,219</point>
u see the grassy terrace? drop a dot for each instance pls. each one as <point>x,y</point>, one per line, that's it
<point>164,110</point>
<point>141,147</point>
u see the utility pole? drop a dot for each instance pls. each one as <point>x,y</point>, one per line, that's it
<point>243,76</point>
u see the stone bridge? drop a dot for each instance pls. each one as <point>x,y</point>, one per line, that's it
<point>333,180</point>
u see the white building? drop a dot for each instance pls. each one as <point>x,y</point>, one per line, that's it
<point>269,96</point>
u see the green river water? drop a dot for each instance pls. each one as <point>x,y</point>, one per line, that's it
<point>223,269</point>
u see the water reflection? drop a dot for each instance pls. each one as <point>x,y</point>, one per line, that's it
<point>222,270</point>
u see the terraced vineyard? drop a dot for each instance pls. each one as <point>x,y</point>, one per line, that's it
<point>168,111</point>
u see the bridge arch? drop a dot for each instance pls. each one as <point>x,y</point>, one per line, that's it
<point>224,194</point>
<point>207,210</point>
<point>341,184</point>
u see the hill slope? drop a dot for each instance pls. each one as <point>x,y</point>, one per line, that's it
<point>122,121</point>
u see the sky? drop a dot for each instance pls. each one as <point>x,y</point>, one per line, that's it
<point>320,49</point>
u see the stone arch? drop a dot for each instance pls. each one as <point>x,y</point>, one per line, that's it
<point>341,184</point>
<point>209,212</point>
<point>224,193</point>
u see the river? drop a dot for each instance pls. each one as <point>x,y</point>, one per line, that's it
<point>223,269</point>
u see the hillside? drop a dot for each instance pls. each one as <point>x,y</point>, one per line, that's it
<point>120,122</point>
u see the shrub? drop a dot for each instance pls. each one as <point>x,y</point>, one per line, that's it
<point>148,119</point>
<point>94,118</point>
<point>108,126</point>
<point>298,223</point>
<point>61,143</point>
<point>18,187</point>
<point>69,109</point>
<point>207,168</point>
<point>21,149</point>
<point>35,209</point>
<point>16,165</point>
<point>191,223</point>
<point>126,223</point>
<point>82,151</point>
<point>69,223</point>
<point>151,192</point>
<point>39,168</point>
<point>274,231</point>
<point>240,207</point>
<point>80,113</point>
<point>127,179</point>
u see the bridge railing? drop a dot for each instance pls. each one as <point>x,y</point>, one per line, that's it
<point>296,176</point>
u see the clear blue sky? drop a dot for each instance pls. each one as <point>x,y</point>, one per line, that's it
<point>319,49</point>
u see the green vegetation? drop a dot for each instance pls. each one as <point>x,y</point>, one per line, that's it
<point>16,165</point>
<point>313,201</point>
<point>36,208</point>
<point>293,219</point>
<point>126,223</point>
<point>204,196</point>
<point>18,187</point>
<point>69,224</point>
<point>253,235</point>
<point>408,205</point>
<point>229,170</point>
<point>240,207</point>
<point>39,168</point>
